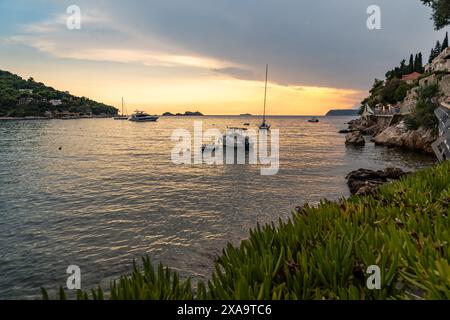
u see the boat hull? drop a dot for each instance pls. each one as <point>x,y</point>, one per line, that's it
<point>146,119</point>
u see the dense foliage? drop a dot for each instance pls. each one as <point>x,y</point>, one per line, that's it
<point>423,114</point>
<point>20,97</point>
<point>387,92</point>
<point>323,252</point>
<point>393,90</point>
<point>438,48</point>
<point>415,65</point>
<point>441,12</point>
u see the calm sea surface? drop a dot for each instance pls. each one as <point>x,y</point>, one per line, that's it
<point>112,194</point>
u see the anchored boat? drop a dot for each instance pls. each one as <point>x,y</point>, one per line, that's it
<point>123,116</point>
<point>264,125</point>
<point>141,116</point>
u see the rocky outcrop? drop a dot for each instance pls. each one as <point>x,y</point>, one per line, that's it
<point>364,181</point>
<point>355,138</point>
<point>366,127</point>
<point>399,137</point>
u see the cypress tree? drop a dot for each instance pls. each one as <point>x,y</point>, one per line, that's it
<point>419,64</point>
<point>411,64</point>
<point>445,43</point>
<point>431,58</point>
<point>437,48</point>
<point>416,62</point>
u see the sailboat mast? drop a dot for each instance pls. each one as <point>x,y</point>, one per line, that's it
<point>265,94</point>
<point>122,105</point>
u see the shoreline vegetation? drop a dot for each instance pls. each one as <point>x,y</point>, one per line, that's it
<point>323,252</point>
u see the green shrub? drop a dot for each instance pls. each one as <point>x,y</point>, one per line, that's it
<point>423,114</point>
<point>322,252</point>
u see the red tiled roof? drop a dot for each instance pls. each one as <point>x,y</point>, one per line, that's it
<point>411,76</point>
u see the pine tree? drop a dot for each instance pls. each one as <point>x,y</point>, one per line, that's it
<point>445,43</point>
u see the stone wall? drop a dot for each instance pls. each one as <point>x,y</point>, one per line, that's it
<point>408,105</point>
<point>428,80</point>
<point>444,85</point>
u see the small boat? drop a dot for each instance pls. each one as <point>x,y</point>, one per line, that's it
<point>264,125</point>
<point>123,116</point>
<point>141,116</point>
<point>313,120</point>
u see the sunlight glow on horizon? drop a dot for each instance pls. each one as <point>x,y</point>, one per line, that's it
<point>211,95</point>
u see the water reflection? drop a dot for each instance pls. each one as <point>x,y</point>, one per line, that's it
<point>112,194</point>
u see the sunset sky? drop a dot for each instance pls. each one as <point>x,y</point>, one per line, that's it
<point>210,55</point>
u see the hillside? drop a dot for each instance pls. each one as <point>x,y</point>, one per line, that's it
<point>342,112</point>
<point>23,98</point>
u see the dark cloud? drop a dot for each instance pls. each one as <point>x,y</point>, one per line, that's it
<point>306,42</point>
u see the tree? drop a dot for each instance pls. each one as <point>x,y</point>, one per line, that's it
<point>403,68</point>
<point>411,64</point>
<point>418,65</point>
<point>445,43</point>
<point>435,52</point>
<point>441,12</point>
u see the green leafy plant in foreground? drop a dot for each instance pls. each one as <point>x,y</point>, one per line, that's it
<point>323,252</point>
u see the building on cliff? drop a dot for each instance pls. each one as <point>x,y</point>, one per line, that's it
<point>410,78</point>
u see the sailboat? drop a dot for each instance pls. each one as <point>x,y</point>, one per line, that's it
<point>123,116</point>
<point>264,125</point>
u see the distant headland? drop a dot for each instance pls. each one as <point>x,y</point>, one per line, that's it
<point>186,114</point>
<point>20,98</point>
<point>342,112</point>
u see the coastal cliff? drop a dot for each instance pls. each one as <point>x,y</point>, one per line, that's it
<point>391,135</point>
<point>399,112</point>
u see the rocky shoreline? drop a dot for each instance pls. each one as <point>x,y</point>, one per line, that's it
<point>392,135</point>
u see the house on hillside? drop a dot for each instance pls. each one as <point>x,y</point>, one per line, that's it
<point>410,78</point>
<point>55,102</point>
<point>25,101</point>
<point>26,91</point>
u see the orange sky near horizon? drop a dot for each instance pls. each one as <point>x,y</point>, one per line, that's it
<point>208,93</point>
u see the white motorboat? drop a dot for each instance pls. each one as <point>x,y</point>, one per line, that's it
<point>141,116</point>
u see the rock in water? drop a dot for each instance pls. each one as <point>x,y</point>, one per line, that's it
<point>355,138</point>
<point>364,182</point>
